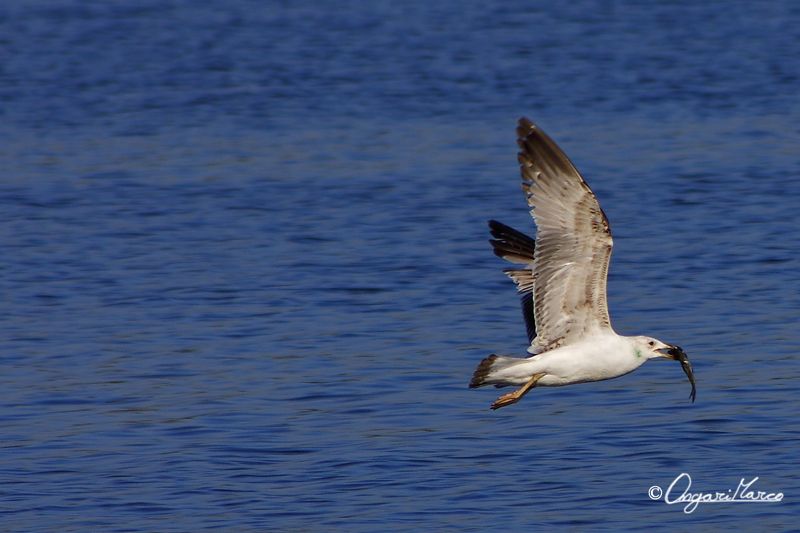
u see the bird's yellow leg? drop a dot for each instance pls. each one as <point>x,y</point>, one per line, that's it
<point>514,397</point>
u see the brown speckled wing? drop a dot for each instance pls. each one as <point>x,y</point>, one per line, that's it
<point>573,244</point>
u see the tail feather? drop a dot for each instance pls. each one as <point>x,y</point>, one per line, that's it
<point>486,372</point>
<point>482,372</point>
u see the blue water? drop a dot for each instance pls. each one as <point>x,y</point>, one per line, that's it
<point>245,280</point>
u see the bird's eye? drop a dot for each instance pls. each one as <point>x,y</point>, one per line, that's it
<point>651,343</point>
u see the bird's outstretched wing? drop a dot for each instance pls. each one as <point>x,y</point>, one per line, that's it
<point>573,244</point>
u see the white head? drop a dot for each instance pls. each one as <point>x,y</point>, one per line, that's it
<point>648,348</point>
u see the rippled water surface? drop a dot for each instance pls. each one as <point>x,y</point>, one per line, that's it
<point>245,278</point>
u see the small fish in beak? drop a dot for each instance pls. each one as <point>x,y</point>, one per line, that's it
<point>679,355</point>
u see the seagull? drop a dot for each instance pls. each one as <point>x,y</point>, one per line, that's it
<point>562,283</point>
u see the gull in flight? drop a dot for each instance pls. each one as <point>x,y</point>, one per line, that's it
<point>562,283</point>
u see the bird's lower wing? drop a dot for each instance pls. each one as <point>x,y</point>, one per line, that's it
<point>518,248</point>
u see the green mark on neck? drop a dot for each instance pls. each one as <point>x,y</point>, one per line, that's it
<point>637,352</point>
